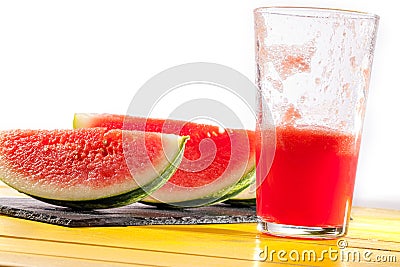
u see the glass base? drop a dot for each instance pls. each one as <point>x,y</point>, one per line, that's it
<point>301,231</point>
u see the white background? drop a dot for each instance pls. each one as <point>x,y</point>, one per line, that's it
<point>61,57</point>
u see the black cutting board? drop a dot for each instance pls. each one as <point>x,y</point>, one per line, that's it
<point>132,215</point>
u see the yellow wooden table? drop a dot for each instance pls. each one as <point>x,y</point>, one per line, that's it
<point>373,240</point>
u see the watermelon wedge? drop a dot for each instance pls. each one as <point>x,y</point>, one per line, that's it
<point>88,168</point>
<point>217,165</point>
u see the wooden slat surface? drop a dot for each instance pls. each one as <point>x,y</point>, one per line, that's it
<point>27,243</point>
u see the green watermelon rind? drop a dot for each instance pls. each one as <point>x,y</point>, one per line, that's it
<point>126,198</point>
<point>217,197</point>
<point>243,200</point>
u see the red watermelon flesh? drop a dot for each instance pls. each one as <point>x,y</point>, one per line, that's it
<point>84,164</point>
<point>216,161</point>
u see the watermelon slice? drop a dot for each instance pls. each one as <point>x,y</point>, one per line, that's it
<point>217,165</point>
<point>88,168</point>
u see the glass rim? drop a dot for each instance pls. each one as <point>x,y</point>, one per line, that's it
<point>313,12</point>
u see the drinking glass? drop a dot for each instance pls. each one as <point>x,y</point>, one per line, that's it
<point>313,72</point>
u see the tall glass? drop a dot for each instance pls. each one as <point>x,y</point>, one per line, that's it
<point>313,71</point>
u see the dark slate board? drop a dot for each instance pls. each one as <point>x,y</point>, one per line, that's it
<point>132,215</point>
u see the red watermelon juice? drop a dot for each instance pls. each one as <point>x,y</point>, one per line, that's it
<point>311,179</point>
